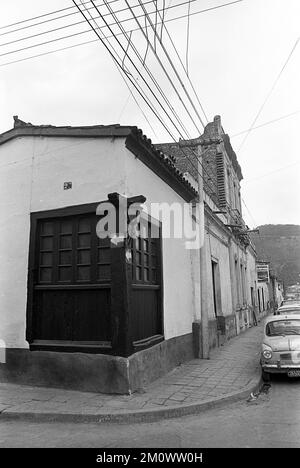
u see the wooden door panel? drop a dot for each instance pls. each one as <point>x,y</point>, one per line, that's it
<point>72,315</point>
<point>145,313</point>
<point>54,312</point>
<point>92,315</point>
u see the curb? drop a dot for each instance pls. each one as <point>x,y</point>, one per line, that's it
<point>135,416</point>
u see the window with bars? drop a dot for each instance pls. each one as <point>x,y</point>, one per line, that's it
<point>71,252</point>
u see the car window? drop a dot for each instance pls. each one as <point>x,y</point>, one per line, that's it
<point>283,327</point>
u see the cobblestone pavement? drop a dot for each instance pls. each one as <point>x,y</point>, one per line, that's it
<point>230,369</point>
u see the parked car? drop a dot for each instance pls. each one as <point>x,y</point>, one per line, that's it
<point>288,309</point>
<point>290,302</point>
<point>280,353</point>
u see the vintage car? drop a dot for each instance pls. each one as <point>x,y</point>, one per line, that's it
<point>288,309</point>
<point>280,352</point>
<point>290,302</point>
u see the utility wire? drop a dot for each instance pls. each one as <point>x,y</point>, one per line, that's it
<point>161,122</point>
<point>255,224</point>
<point>156,12</point>
<point>163,18</point>
<point>46,14</point>
<point>187,40</point>
<point>162,22</point>
<point>68,36</point>
<point>170,61</point>
<point>76,13</point>
<point>184,69</point>
<point>122,76</point>
<point>266,123</point>
<point>269,93</point>
<point>120,72</point>
<point>172,136</point>
<point>64,26</point>
<point>129,77</point>
<point>139,73</point>
<point>280,169</point>
<point>154,80</point>
<point>71,24</point>
<point>39,23</point>
<point>118,64</point>
<point>168,57</point>
<point>142,61</point>
<point>171,108</point>
<point>95,40</point>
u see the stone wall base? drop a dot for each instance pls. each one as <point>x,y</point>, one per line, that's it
<point>95,372</point>
<point>221,329</point>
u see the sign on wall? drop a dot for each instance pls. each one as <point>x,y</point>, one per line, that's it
<point>263,272</point>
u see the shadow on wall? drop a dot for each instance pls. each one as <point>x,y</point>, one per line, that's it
<point>2,352</point>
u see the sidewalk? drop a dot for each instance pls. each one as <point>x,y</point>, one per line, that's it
<point>231,373</point>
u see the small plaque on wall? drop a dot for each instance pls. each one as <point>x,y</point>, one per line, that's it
<point>67,185</point>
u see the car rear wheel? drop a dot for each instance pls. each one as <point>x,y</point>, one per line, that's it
<point>266,377</point>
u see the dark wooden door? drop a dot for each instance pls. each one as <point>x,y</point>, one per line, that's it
<point>71,291</point>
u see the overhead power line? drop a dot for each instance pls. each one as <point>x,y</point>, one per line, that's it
<point>154,94</point>
<point>266,123</point>
<point>128,76</point>
<point>73,34</point>
<point>280,169</point>
<point>122,67</point>
<point>187,39</point>
<point>249,212</point>
<point>147,101</point>
<point>95,40</point>
<point>46,14</point>
<point>168,57</point>
<point>269,93</point>
<point>141,60</point>
<point>77,23</point>
<point>186,155</point>
<point>184,68</point>
<point>172,110</point>
<point>156,35</point>
<point>117,60</point>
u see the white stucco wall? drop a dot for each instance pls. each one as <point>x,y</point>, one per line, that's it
<point>179,305</point>
<point>251,275</point>
<point>217,250</point>
<point>32,173</point>
<point>264,289</point>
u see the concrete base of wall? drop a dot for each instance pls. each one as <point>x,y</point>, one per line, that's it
<point>213,333</point>
<point>95,372</point>
<point>221,329</point>
<point>152,363</point>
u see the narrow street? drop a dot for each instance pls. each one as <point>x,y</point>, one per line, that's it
<point>272,420</point>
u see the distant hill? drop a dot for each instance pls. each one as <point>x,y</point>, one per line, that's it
<point>280,245</point>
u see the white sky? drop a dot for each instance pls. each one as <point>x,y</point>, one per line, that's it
<point>235,54</point>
